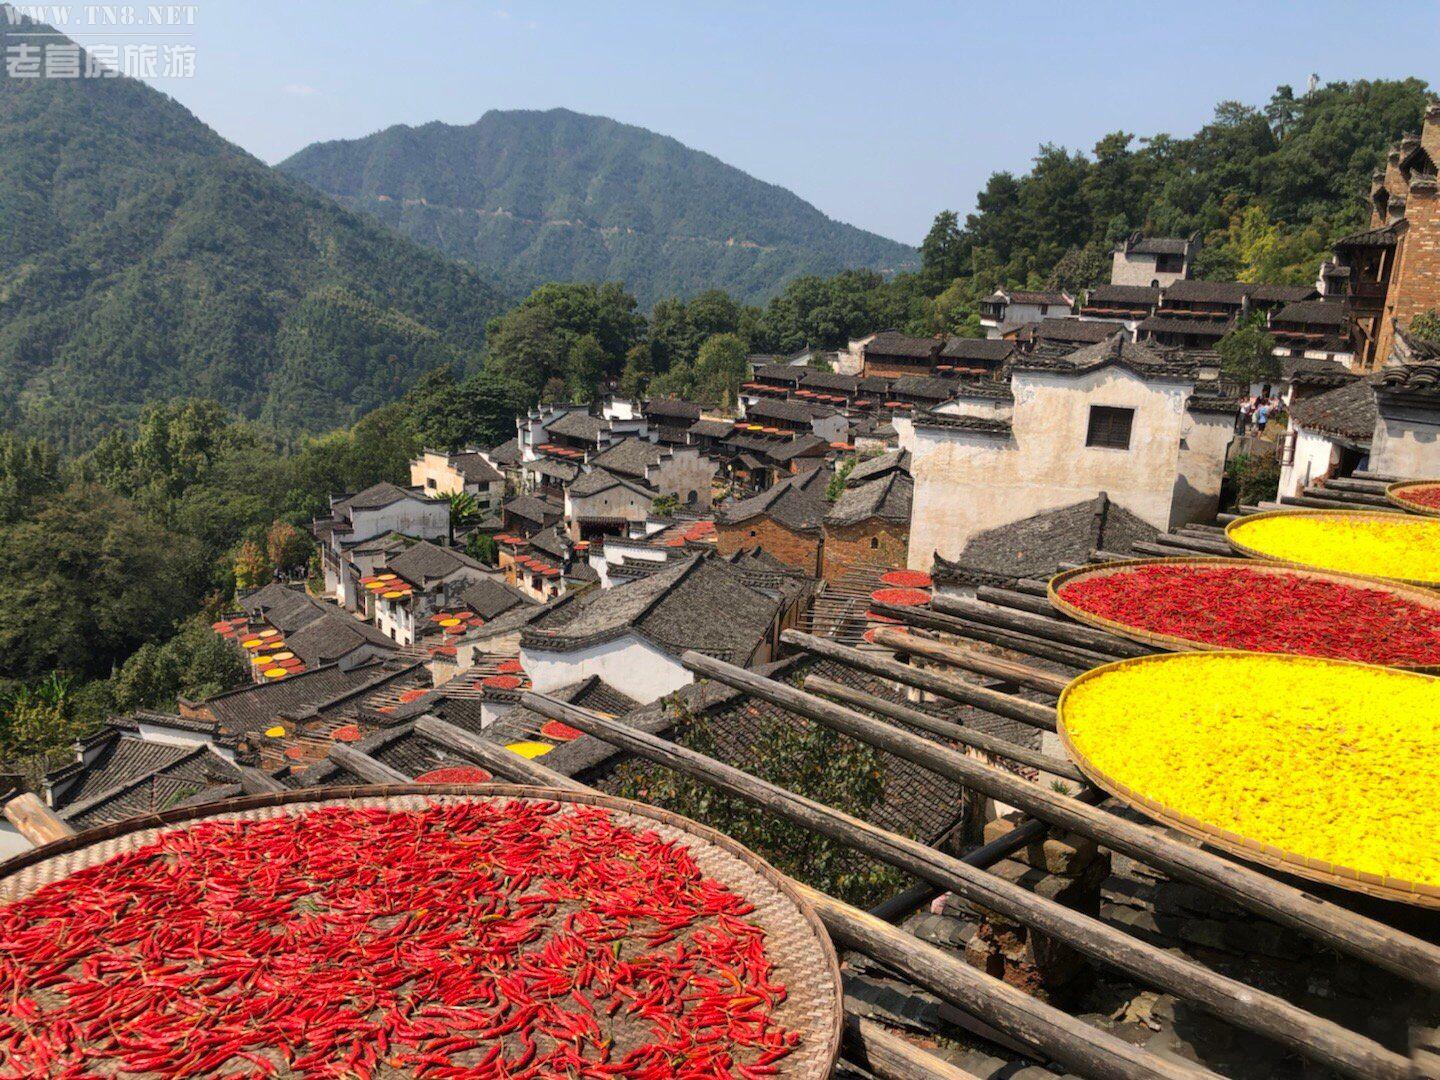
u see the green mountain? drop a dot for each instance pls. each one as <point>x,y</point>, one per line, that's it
<point>143,257</point>
<point>543,196</point>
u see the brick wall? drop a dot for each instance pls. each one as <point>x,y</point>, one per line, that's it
<point>794,549</point>
<point>1415,286</point>
<point>848,546</point>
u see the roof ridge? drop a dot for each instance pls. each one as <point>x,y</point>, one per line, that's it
<point>135,781</point>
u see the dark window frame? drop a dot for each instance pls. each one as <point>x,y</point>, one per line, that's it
<point>1110,427</point>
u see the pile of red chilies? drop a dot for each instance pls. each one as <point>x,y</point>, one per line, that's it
<point>1239,608</point>
<point>1423,496</point>
<point>482,939</point>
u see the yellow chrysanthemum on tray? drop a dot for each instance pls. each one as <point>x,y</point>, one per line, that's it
<point>1394,546</point>
<point>1327,768</point>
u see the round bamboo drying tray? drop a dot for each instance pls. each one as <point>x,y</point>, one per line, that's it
<point>1245,549</point>
<point>1173,642</point>
<point>795,940</point>
<point>1406,892</point>
<point>1396,494</point>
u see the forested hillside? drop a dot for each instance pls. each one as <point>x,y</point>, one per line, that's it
<point>557,196</point>
<point>143,257</point>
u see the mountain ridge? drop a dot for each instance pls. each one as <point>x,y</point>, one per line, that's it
<point>146,257</point>
<point>556,194</point>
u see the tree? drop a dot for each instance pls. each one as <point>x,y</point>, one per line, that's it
<point>252,568</point>
<point>720,369</point>
<point>194,664</point>
<point>1247,353</point>
<point>483,547</point>
<point>88,580</point>
<point>464,511</point>
<point>286,547</point>
<point>38,716</point>
<point>665,505</point>
<point>942,252</point>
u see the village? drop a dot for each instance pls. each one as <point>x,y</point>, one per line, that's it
<point>865,543</point>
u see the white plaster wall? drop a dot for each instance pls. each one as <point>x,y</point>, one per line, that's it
<point>629,663</point>
<point>1136,270</point>
<point>1314,454</point>
<point>11,842</point>
<point>413,517</point>
<point>967,482</point>
<point>1406,443</point>
<point>1206,437</point>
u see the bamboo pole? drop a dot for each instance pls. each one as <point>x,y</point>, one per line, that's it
<point>1234,1001</point>
<point>365,766</point>
<point>1335,926</point>
<point>1053,621</point>
<point>1067,633</point>
<point>970,660</point>
<point>946,686</point>
<point>1060,1037</point>
<point>257,781</point>
<point>887,1056</point>
<point>978,740</point>
<point>496,758</point>
<point>971,630</point>
<point>1048,1031</point>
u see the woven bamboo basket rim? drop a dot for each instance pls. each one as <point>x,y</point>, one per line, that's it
<point>1305,866</point>
<point>1396,494</point>
<point>1175,643</point>
<point>1351,515</point>
<point>796,940</point>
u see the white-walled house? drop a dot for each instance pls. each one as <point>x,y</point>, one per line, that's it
<point>1116,417</point>
<point>1153,261</point>
<point>685,472</point>
<point>602,503</point>
<point>440,474</point>
<point>1011,307</point>
<point>437,577</point>
<point>633,635</point>
<point>1407,403</point>
<point>379,509</point>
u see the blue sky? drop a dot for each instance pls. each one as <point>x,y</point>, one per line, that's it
<point>879,113</point>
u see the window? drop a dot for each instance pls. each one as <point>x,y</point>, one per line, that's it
<point>874,542</point>
<point>1109,427</point>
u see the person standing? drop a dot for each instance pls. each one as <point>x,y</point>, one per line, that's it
<point>1262,415</point>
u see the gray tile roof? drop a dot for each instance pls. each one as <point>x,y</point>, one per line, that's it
<point>984,425</point>
<point>426,562</point>
<point>1347,411</point>
<point>797,502</point>
<point>879,465</point>
<point>886,497</point>
<point>1383,236</point>
<point>630,457</point>
<point>1161,324</point>
<point>533,508</point>
<point>578,425</point>
<point>894,343</point>
<point>491,597</point>
<point>600,479</point>
<point>833,382</point>
<point>507,453</point>
<point>795,412</point>
<point>1036,546</point>
<point>1136,295</point>
<point>378,496</point>
<point>982,350</point>
<point>789,374</point>
<point>332,637</point>
<point>923,388</point>
<point>715,429</point>
<point>254,708</point>
<point>1073,330</point>
<point>700,603</point>
<point>672,409</point>
<point>1208,292</point>
<point>1314,313</point>
<point>1142,359</point>
<point>804,444</point>
<point>475,468</point>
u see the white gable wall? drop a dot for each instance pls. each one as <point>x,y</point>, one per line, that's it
<point>629,663</point>
<point>968,482</point>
